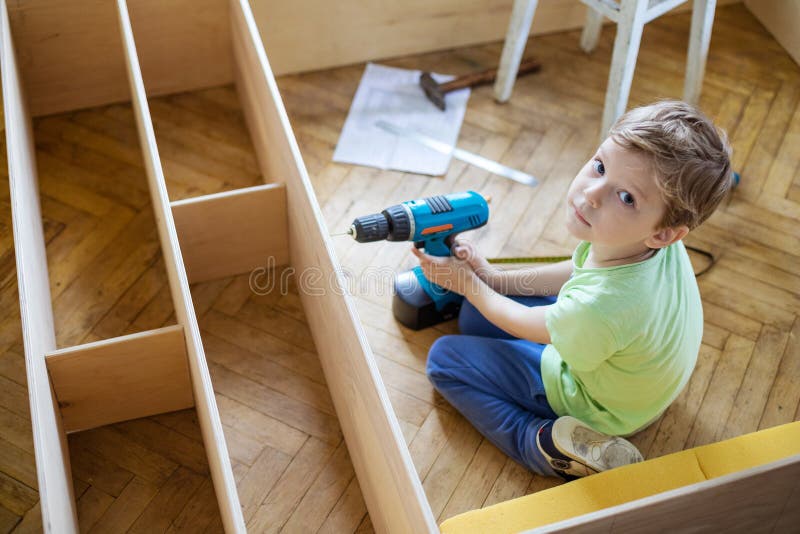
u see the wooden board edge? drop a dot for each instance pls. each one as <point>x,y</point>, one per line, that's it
<point>208,416</point>
<point>389,481</point>
<point>59,512</point>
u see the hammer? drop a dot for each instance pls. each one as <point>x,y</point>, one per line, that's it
<point>436,91</point>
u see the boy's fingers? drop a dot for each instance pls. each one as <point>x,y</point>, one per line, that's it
<point>423,258</point>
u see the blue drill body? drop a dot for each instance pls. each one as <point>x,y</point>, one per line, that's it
<point>431,223</point>
<point>438,219</point>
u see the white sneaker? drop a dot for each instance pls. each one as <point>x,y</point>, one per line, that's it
<point>584,451</point>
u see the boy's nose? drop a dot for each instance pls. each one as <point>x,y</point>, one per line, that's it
<point>593,194</point>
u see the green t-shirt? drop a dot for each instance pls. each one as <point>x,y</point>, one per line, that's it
<point>624,340</point>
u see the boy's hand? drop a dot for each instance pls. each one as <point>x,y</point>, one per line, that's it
<point>448,272</point>
<point>466,250</point>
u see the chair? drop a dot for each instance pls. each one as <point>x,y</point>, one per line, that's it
<point>630,17</point>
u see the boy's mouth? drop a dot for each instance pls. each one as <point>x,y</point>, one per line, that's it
<point>580,217</point>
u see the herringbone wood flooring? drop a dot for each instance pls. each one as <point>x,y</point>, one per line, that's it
<point>291,464</point>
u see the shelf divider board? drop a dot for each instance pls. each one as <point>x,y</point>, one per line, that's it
<point>389,482</point>
<point>207,414</point>
<point>234,232</point>
<point>122,378</point>
<point>36,308</point>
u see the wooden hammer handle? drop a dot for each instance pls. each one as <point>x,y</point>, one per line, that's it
<point>487,76</point>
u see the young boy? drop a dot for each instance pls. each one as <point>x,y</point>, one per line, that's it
<point>554,381</point>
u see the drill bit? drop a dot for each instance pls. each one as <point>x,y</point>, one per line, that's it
<point>348,232</point>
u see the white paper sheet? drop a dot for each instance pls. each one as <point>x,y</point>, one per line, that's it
<point>395,96</point>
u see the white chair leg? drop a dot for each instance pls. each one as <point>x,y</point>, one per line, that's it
<point>591,29</point>
<point>517,36</point>
<point>699,39</point>
<point>623,61</point>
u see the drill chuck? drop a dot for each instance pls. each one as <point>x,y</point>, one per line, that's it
<point>393,224</point>
<point>370,228</point>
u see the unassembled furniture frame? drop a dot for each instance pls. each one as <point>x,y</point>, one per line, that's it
<point>184,45</point>
<point>99,383</point>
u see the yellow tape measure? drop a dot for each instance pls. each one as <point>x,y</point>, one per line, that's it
<point>555,259</point>
<point>529,259</point>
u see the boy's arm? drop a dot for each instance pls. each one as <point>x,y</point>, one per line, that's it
<point>515,318</point>
<point>543,280</point>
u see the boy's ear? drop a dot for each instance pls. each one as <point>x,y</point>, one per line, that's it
<point>666,236</point>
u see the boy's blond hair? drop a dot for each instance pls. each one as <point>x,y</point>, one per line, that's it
<point>691,158</point>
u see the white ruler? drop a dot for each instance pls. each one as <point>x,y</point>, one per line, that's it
<point>464,155</point>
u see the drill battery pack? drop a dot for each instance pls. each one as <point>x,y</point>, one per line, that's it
<point>413,305</point>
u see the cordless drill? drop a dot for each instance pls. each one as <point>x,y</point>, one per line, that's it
<point>432,223</point>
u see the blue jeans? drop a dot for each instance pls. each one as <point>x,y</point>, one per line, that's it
<point>495,381</point>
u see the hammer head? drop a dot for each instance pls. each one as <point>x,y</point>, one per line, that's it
<point>432,90</point>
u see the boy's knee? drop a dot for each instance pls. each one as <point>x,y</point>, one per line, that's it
<point>440,356</point>
<point>469,318</point>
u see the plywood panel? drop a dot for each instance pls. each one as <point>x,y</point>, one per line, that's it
<point>232,233</point>
<point>205,403</point>
<point>185,44</point>
<point>122,378</point>
<point>780,18</point>
<point>393,493</point>
<point>52,458</point>
<point>350,32</point>
<point>753,500</point>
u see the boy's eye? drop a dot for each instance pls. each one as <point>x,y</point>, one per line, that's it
<point>626,198</point>
<point>599,167</point>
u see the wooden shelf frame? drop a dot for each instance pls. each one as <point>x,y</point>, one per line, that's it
<point>286,203</point>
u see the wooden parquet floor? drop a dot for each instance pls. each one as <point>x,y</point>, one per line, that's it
<point>290,461</point>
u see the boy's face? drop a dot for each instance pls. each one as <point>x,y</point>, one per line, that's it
<point>614,201</point>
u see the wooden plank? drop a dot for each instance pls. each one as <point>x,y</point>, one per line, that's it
<point>58,507</point>
<point>168,502</point>
<point>346,33</point>
<point>261,478</point>
<point>751,399</point>
<point>477,482</point>
<point>784,395</point>
<point>199,513</point>
<point>510,483</point>
<point>373,435</point>
<point>755,499</point>
<point>129,506</point>
<point>295,481</point>
<point>185,45</point>
<point>231,233</point>
<point>324,493</point>
<point>779,16</point>
<point>721,391</point>
<point>208,416</point>
<point>123,378</point>
<point>348,512</point>
<point>91,506</point>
